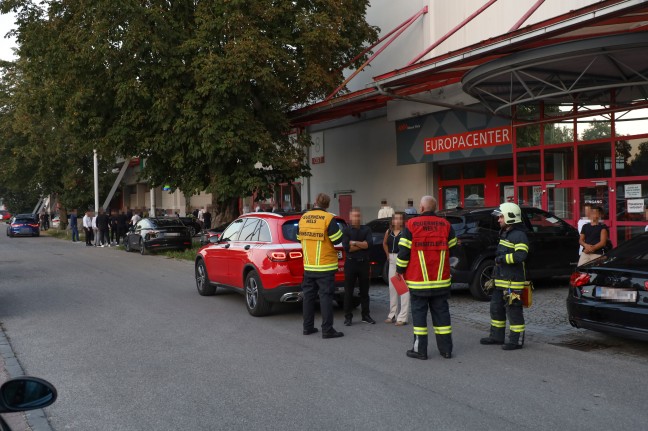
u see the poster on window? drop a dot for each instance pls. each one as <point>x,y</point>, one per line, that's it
<point>632,190</point>
<point>537,196</point>
<point>636,206</point>
<point>509,191</point>
<point>451,198</point>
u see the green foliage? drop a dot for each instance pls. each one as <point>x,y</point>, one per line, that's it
<point>200,89</point>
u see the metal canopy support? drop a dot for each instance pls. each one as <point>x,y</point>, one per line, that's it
<point>113,189</point>
<point>395,32</point>
<point>526,16</point>
<point>451,32</point>
<point>38,205</point>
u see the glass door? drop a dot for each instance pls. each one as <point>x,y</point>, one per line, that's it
<point>561,202</point>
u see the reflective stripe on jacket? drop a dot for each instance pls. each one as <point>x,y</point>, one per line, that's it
<point>511,253</point>
<point>318,232</point>
<point>423,254</point>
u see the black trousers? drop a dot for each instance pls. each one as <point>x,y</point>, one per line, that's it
<point>88,235</point>
<point>104,236</point>
<point>440,310</point>
<point>356,270</point>
<point>324,284</point>
<point>500,309</point>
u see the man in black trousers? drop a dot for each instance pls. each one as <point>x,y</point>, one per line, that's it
<point>357,241</point>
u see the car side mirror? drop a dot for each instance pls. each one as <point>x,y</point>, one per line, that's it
<point>215,239</point>
<point>26,393</point>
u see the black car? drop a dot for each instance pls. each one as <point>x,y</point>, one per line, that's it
<point>152,234</point>
<point>207,234</point>
<point>610,294</point>
<point>378,259</point>
<point>192,224</point>
<point>553,246</point>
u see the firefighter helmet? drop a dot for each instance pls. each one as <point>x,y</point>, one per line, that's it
<point>510,211</point>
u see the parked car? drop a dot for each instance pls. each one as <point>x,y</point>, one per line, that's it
<point>610,294</point>
<point>258,255</point>
<point>377,257</point>
<point>153,234</point>
<point>56,222</point>
<point>5,215</point>
<point>206,235</point>
<point>553,246</point>
<point>192,224</point>
<point>23,225</point>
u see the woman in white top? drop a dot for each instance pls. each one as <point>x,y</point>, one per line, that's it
<point>390,245</point>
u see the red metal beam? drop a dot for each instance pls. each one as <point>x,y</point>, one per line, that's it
<point>526,15</point>
<point>451,32</point>
<point>400,31</point>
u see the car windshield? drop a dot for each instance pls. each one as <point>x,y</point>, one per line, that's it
<point>24,220</point>
<point>379,226</point>
<point>167,222</point>
<point>290,228</point>
<point>635,249</point>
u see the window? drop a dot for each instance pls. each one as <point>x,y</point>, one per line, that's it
<point>595,161</point>
<point>473,195</point>
<point>505,168</point>
<point>559,164</point>
<point>450,172</point>
<point>559,133</point>
<point>474,170</point>
<point>631,157</point>
<point>248,232</point>
<point>291,227</point>
<point>543,222</point>
<point>263,232</point>
<point>528,166</point>
<point>632,200</point>
<point>232,231</point>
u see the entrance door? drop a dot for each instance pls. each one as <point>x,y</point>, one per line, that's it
<point>561,201</point>
<point>345,203</point>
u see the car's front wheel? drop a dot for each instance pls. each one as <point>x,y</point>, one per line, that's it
<point>192,231</point>
<point>483,274</point>
<point>143,250</point>
<point>255,302</point>
<point>205,288</point>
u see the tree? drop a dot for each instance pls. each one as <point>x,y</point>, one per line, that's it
<point>200,89</point>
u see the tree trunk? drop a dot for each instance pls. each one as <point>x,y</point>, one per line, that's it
<point>225,212</point>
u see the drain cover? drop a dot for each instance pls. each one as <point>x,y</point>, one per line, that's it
<point>583,345</point>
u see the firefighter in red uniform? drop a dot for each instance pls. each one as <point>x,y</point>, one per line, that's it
<point>423,259</point>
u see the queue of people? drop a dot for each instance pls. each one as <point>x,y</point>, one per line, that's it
<point>418,253</point>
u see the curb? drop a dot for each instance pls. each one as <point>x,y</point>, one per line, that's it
<point>36,419</point>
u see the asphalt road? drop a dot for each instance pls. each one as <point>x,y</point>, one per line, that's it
<point>130,345</point>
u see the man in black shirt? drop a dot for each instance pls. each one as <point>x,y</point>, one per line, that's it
<point>103,224</point>
<point>122,226</point>
<point>357,241</point>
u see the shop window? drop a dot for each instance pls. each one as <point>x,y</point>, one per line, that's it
<point>596,196</point>
<point>474,170</point>
<point>634,122</point>
<point>559,133</point>
<point>631,157</point>
<point>473,195</point>
<point>560,201</point>
<point>450,172</point>
<point>632,201</point>
<point>505,168</point>
<point>594,161</point>
<point>506,192</point>
<point>528,166</point>
<point>530,196</point>
<point>559,164</point>
<point>594,127</point>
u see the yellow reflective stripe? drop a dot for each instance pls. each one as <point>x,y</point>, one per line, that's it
<point>440,284</point>
<point>509,258</point>
<point>420,330</point>
<point>441,262</point>
<point>423,266</point>
<point>443,330</point>
<point>452,242</point>
<point>298,237</point>
<point>498,323</point>
<point>516,328</point>
<point>305,253</point>
<point>318,252</point>
<point>405,243</point>
<point>507,284</point>
<point>337,235</point>
<point>521,247</point>
<point>329,267</point>
<point>506,243</point>
<point>402,263</point>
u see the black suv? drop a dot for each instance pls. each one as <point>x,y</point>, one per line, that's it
<point>553,246</point>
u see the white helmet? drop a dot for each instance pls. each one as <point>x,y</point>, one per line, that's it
<point>510,211</point>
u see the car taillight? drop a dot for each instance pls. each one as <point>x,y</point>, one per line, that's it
<point>646,285</point>
<point>33,225</point>
<point>282,256</point>
<point>579,279</point>
<point>15,225</point>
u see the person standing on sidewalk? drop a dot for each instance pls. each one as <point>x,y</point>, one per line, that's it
<point>103,225</point>
<point>318,233</point>
<point>423,261</point>
<point>390,245</point>
<point>509,276</point>
<point>122,226</point>
<point>73,222</point>
<point>207,217</point>
<point>87,228</point>
<point>593,237</point>
<point>357,242</point>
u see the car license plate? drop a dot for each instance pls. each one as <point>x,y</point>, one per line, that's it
<point>25,231</point>
<point>618,295</point>
<point>172,234</point>
<point>339,254</point>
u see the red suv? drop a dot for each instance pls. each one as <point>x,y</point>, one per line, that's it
<point>258,255</point>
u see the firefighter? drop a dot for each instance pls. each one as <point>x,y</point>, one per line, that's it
<point>508,279</point>
<point>423,260</point>
<point>318,232</point>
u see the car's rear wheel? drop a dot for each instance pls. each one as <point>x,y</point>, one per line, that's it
<point>205,288</point>
<point>255,302</point>
<point>482,275</point>
<point>142,247</point>
<point>127,246</point>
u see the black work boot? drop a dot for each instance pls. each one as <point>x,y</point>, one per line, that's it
<point>496,337</point>
<point>515,341</point>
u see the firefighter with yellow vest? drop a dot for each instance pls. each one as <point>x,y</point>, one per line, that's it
<point>318,233</point>
<point>423,260</point>
<point>508,279</point>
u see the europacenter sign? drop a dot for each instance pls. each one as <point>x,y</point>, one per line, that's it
<point>452,135</point>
